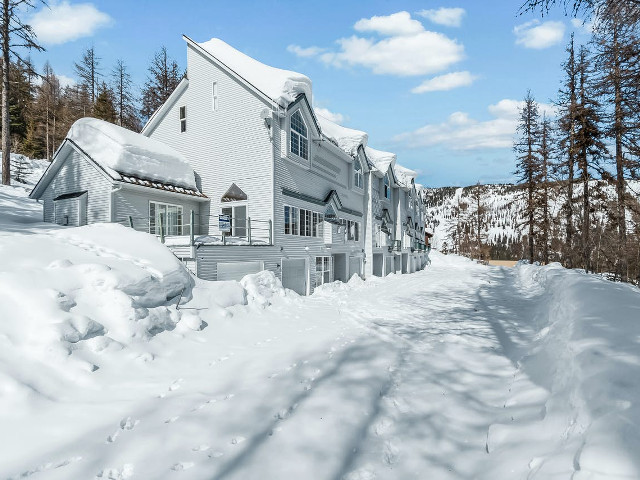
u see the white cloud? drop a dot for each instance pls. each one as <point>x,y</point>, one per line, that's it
<point>329,115</point>
<point>305,52</point>
<point>449,17</point>
<point>65,81</point>
<point>407,49</point>
<point>582,26</point>
<point>461,132</point>
<point>448,81</point>
<point>63,22</point>
<point>399,23</point>
<point>538,35</point>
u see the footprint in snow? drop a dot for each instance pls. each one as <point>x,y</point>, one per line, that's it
<point>230,396</point>
<point>215,455</point>
<point>182,466</point>
<point>201,448</point>
<point>237,440</point>
<point>273,375</point>
<point>128,423</point>
<point>175,385</point>
<point>122,473</point>
<point>172,419</point>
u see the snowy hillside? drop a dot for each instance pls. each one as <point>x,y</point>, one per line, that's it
<point>524,373</point>
<point>505,211</point>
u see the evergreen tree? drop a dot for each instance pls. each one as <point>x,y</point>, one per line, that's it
<point>14,34</point>
<point>164,76</point>
<point>124,100</point>
<point>104,108</point>
<point>88,71</point>
<point>528,163</point>
<point>542,192</point>
<point>48,111</point>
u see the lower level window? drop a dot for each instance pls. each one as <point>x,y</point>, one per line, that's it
<point>323,270</point>
<point>166,215</point>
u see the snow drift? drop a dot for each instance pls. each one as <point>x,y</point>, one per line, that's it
<point>121,151</point>
<point>347,139</point>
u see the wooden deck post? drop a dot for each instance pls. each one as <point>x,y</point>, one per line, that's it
<point>130,221</point>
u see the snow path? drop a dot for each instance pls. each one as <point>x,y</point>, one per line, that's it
<point>398,378</point>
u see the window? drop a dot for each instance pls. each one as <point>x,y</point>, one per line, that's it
<point>183,119</point>
<point>358,179</point>
<point>353,231</point>
<point>169,216</point>
<point>214,96</point>
<point>299,138</point>
<point>238,220</point>
<point>377,239</point>
<point>323,270</point>
<point>310,223</point>
<point>387,188</point>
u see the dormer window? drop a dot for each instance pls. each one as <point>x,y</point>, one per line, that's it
<point>299,137</point>
<point>387,188</point>
<point>358,179</point>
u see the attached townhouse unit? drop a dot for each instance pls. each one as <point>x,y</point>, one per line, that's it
<point>256,179</point>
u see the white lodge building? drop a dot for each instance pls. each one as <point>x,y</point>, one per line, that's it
<point>276,186</point>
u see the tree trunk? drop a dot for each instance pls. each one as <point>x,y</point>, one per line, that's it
<point>6,134</point>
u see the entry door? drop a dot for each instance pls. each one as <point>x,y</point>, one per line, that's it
<point>355,266</point>
<point>294,274</point>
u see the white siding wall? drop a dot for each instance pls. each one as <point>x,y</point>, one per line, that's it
<point>326,171</point>
<point>136,204</point>
<point>77,174</point>
<point>230,145</point>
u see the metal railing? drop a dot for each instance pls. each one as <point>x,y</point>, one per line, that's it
<point>241,230</point>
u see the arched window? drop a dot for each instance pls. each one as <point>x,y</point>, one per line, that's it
<point>387,188</point>
<point>299,138</point>
<point>358,179</point>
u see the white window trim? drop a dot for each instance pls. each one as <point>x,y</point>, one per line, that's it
<point>358,174</point>
<point>180,227</point>
<point>315,231</point>
<point>386,186</point>
<point>290,130</point>
<point>233,205</point>
<point>327,267</point>
<point>214,96</point>
<point>183,119</point>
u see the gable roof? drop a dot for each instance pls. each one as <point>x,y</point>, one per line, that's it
<point>123,152</point>
<point>164,108</point>
<point>281,86</point>
<point>404,175</point>
<point>234,194</point>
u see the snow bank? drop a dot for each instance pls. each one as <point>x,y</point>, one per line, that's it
<point>283,86</point>
<point>84,291</point>
<point>587,359</point>
<point>381,160</point>
<point>121,151</point>
<point>347,139</point>
<point>262,287</point>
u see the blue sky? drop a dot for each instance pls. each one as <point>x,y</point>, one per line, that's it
<point>438,83</point>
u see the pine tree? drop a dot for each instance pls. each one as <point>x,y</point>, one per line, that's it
<point>104,108</point>
<point>164,76</point>
<point>124,101</point>
<point>48,111</point>
<point>528,163</point>
<point>542,193</point>
<point>567,112</point>
<point>616,60</point>
<point>88,71</point>
<point>14,34</point>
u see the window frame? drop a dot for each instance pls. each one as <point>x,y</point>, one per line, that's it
<point>153,225</point>
<point>307,223</point>
<point>325,272</point>
<point>235,229</point>
<point>214,96</point>
<point>358,174</point>
<point>182,113</point>
<point>387,186</point>
<point>297,138</point>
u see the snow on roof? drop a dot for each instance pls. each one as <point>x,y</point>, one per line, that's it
<point>121,151</point>
<point>381,160</point>
<point>347,139</point>
<point>404,175</point>
<point>282,86</point>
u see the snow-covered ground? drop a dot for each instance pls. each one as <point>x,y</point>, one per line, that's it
<point>459,371</point>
